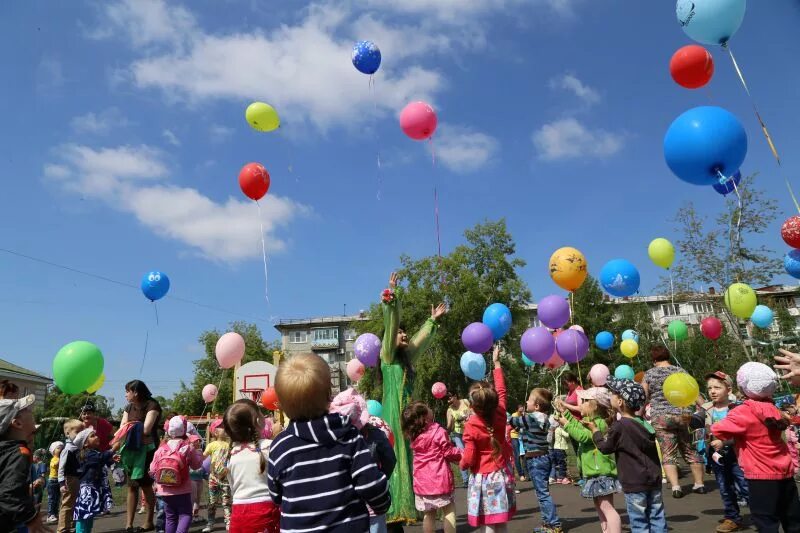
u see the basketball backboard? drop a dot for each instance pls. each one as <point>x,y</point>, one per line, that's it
<point>255,375</point>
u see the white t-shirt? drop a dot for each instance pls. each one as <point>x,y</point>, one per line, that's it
<point>248,484</point>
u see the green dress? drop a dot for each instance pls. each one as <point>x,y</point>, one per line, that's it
<point>396,393</point>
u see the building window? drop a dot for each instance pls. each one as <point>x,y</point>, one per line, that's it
<point>350,335</point>
<point>535,322</point>
<point>702,307</point>
<point>670,309</point>
<point>326,334</point>
<point>297,337</point>
<point>350,354</point>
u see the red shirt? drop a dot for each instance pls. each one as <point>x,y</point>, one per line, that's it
<point>104,432</point>
<point>477,454</point>
<point>572,399</point>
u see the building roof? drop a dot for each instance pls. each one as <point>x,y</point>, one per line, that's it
<point>11,368</point>
<point>293,323</point>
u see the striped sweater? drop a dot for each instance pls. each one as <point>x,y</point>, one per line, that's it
<point>322,475</point>
<point>533,428</point>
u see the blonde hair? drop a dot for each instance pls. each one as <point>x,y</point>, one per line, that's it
<point>543,397</point>
<point>598,410</point>
<point>303,385</point>
<point>72,427</point>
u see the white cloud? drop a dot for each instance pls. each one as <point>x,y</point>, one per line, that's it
<point>461,11</point>
<point>463,150</point>
<point>49,76</point>
<point>171,138</point>
<point>567,138</point>
<point>572,84</point>
<point>101,122</point>
<point>131,178</point>
<point>145,22</point>
<point>220,133</point>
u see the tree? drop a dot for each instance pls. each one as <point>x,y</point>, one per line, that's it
<point>58,407</point>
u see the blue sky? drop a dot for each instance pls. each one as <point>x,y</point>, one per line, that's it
<point>124,134</point>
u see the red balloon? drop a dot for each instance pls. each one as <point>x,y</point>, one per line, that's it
<point>691,66</point>
<point>790,231</point>
<point>555,361</point>
<point>254,180</point>
<point>269,399</point>
<point>711,328</point>
<point>418,120</point>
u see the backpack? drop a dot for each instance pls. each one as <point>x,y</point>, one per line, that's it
<point>170,467</point>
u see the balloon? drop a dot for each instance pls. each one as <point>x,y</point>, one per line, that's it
<point>254,180</point>
<point>366,57</point>
<point>477,337</point>
<point>791,262</point>
<point>703,143</point>
<point>498,318</point>
<point>599,374</point>
<point>629,348</point>
<point>762,316</point>
<point>554,362</point>
<point>677,330</point>
<point>97,385</point>
<point>729,184</point>
<point>355,370</point>
<point>741,300</point>
<point>374,408</point>
<point>418,120</point>
<point>572,345</point>
<point>624,372</point>
<point>604,340</point>
<point>711,328</point>
<point>710,21</point>
<point>77,366</point>
<point>439,390</point>
<point>553,311</point>
<point>537,344</point>
<point>639,377</point>
<point>630,334</point>
<point>262,117</point>
<point>210,393</point>
<point>207,465</point>
<point>568,268</point>
<point>269,399</point>
<point>661,252</point>
<point>155,285</point>
<point>577,327</point>
<point>229,349</point>
<point>691,66</point>
<point>619,278</point>
<point>528,362</point>
<point>790,231</point>
<point>681,389</point>
<point>473,365</point>
<point>368,349</point>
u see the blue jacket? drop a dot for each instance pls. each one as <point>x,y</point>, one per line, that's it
<point>91,466</point>
<point>533,429</point>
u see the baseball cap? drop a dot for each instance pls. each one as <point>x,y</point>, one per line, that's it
<point>630,391</point>
<point>89,407</point>
<point>722,376</point>
<point>599,394</point>
<point>9,409</point>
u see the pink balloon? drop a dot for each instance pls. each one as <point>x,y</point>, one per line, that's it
<point>210,393</point>
<point>598,375</point>
<point>418,120</point>
<point>554,362</point>
<point>229,350</point>
<point>355,370</point>
<point>438,390</point>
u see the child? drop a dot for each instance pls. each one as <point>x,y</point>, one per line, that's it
<point>252,508</point>
<point>198,477</point>
<point>68,480</point>
<point>219,490</point>
<point>534,426</point>
<point>491,500</point>
<point>53,494</point>
<point>170,471</point>
<point>632,440</point>
<point>17,428</point>
<point>93,496</point>
<point>38,476</point>
<point>323,448</point>
<point>433,479</point>
<point>558,454</point>
<point>756,428</point>
<point>599,470</point>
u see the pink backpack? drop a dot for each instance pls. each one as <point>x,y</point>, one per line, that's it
<point>170,466</point>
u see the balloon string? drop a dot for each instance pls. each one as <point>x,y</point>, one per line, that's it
<point>373,96</point>
<point>144,354</point>
<point>737,233</point>
<point>263,253</point>
<point>155,307</point>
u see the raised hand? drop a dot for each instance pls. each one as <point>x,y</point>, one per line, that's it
<point>438,311</point>
<point>393,280</point>
<point>496,355</point>
<point>790,363</point>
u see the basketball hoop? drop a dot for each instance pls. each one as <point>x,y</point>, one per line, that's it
<point>253,394</point>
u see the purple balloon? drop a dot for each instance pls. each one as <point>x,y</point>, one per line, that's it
<point>553,311</point>
<point>477,337</point>
<point>572,345</point>
<point>207,465</point>
<point>538,344</point>
<point>367,349</point>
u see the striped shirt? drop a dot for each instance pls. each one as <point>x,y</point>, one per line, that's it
<point>533,429</point>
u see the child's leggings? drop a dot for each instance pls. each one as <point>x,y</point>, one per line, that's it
<point>84,526</point>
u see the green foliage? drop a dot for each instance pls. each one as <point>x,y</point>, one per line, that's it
<point>59,406</point>
<point>787,325</point>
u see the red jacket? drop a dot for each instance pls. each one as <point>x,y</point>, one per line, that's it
<point>432,451</point>
<point>477,455</point>
<point>762,452</point>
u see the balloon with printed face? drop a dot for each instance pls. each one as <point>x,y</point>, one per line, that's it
<point>604,340</point>
<point>155,285</point>
<point>254,180</point>
<point>366,57</point>
<point>691,66</point>
<point>262,117</point>
<point>710,21</point>
<point>418,121</point>
<point>619,278</point>
<point>209,393</point>
<point>568,268</point>
<point>498,318</point>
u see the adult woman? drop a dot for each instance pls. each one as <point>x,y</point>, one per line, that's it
<point>398,354</point>
<point>144,409</point>
<point>671,424</point>
<point>457,413</point>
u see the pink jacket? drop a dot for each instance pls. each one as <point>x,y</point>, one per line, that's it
<point>792,440</point>
<point>194,460</point>
<point>432,451</point>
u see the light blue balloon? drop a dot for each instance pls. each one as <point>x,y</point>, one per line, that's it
<point>624,372</point>
<point>374,408</point>
<point>630,334</point>
<point>619,278</point>
<point>473,365</point>
<point>498,318</point>
<point>762,316</point>
<point>527,361</point>
<point>710,21</point>
<point>791,262</point>
<point>604,340</point>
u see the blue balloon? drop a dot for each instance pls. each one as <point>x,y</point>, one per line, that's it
<point>728,185</point>
<point>630,334</point>
<point>366,57</point>
<point>374,408</point>
<point>703,143</point>
<point>604,340</point>
<point>498,318</point>
<point>762,316</point>
<point>624,372</point>
<point>473,365</point>
<point>619,278</point>
<point>710,21</point>
<point>791,262</point>
<point>155,285</point>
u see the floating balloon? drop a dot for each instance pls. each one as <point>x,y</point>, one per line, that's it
<point>677,330</point>
<point>439,390</point>
<point>704,143</point>
<point>680,389</point>
<point>477,337</point>
<point>473,365</point>
<point>498,318</point>
<point>604,340</point>
<point>568,268</point>
<point>577,327</point>
<point>368,349</point>
<point>528,362</point>
<point>740,299</point>
<point>355,370</point>
<point>572,345</point>
<point>262,117</point>
<point>554,362</point>
<point>619,278</point>
<point>729,184</point>
<point>254,180</point>
<point>624,372</point>
<point>599,374</point>
<point>155,285</point>
<point>661,252</point>
<point>790,231</point>
<point>229,350</point>
<point>97,385</point>
<point>418,120</point>
<point>210,393</point>
<point>630,334</point>
<point>269,399</point>
<point>629,348</point>
<point>791,263</point>
<point>691,66</point>
<point>553,311</point>
<point>537,344</point>
<point>374,408</point>
<point>711,328</point>
<point>366,57</point>
<point>710,21</point>
<point>762,316</point>
<point>77,366</point>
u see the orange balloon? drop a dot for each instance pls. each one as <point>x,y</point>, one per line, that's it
<point>638,377</point>
<point>269,399</point>
<point>568,268</point>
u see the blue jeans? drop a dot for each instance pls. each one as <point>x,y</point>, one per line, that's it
<point>161,514</point>
<point>459,442</point>
<point>558,460</point>
<point>646,511</point>
<point>515,453</point>
<point>377,524</point>
<point>53,497</point>
<point>539,471</point>
<point>731,481</point>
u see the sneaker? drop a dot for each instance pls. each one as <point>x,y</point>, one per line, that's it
<point>663,481</point>
<point>208,529</point>
<point>699,490</point>
<point>52,519</point>
<point>140,511</point>
<point>728,525</point>
<point>522,478</point>
<point>677,494</point>
<point>565,481</point>
<point>548,529</point>
<point>743,503</point>
<point>516,491</point>
<point>552,481</point>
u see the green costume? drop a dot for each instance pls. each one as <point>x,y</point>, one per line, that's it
<point>396,393</point>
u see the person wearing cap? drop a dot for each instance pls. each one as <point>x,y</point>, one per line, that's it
<point>53,493</point>
<point>632,440</point>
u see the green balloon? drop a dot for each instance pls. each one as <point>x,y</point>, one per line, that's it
<point>77,366</point>
<point>677,330</point>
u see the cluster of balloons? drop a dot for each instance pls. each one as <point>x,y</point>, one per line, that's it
<point>479,337</point>
<point>541,346</point>
<point>790,232</point>
<point>78,367</point>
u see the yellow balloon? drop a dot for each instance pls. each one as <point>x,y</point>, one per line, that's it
<point>741,300</point>
<point>97,385</point>
<point>262,117</point>
<point>681,389</point>
<point>568,268</point>
<point>629,348</point>
<point>661,252</point>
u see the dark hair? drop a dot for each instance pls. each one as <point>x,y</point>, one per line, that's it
<point>414,419</point>
<point>483,398</point>
<point>139,388</point>
<point>400,356</point>
<point>241,421</point>
<point>7,388</point>
<point>570,377</point>
<point>659,353</point>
